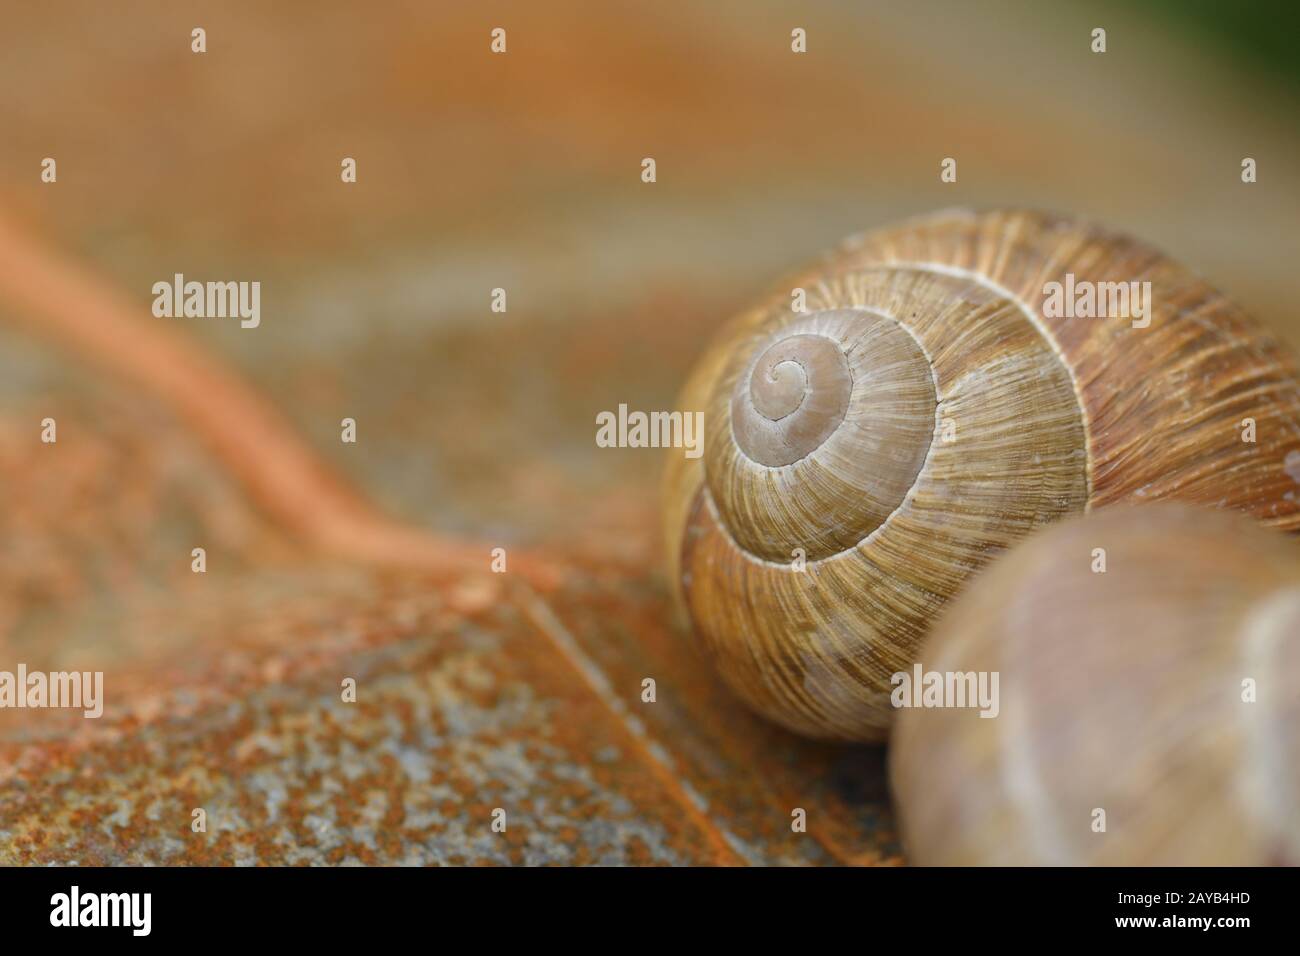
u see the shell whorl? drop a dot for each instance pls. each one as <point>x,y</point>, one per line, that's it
<point>817,403</point>
<point>924,414</point>
<point>793,398</point>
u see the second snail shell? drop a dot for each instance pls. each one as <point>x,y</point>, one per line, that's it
<point>865,457</point>
<point>1144,712</point>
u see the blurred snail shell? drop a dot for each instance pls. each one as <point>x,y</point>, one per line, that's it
<point>1163,693</point>
<point>923,414</point>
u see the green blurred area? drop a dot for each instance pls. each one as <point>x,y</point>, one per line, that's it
<point>1257,37</point>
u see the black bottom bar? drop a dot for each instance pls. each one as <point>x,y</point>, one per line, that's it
<point>335,906</point>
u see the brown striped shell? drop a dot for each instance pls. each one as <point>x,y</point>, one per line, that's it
<point>1145,715</point>
<point>863,458</point>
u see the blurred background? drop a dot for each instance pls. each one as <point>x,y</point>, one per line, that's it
<point>519,171</point>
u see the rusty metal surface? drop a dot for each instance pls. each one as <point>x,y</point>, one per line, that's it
<point>475,691</point>
<point>460,709</point>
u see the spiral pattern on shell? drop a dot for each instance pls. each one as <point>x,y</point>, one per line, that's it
<point>865,457</point>
<point>1145,716</point>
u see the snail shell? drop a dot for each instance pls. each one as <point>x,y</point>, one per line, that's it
<point>924,414</point>
<point>1120,691</point>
